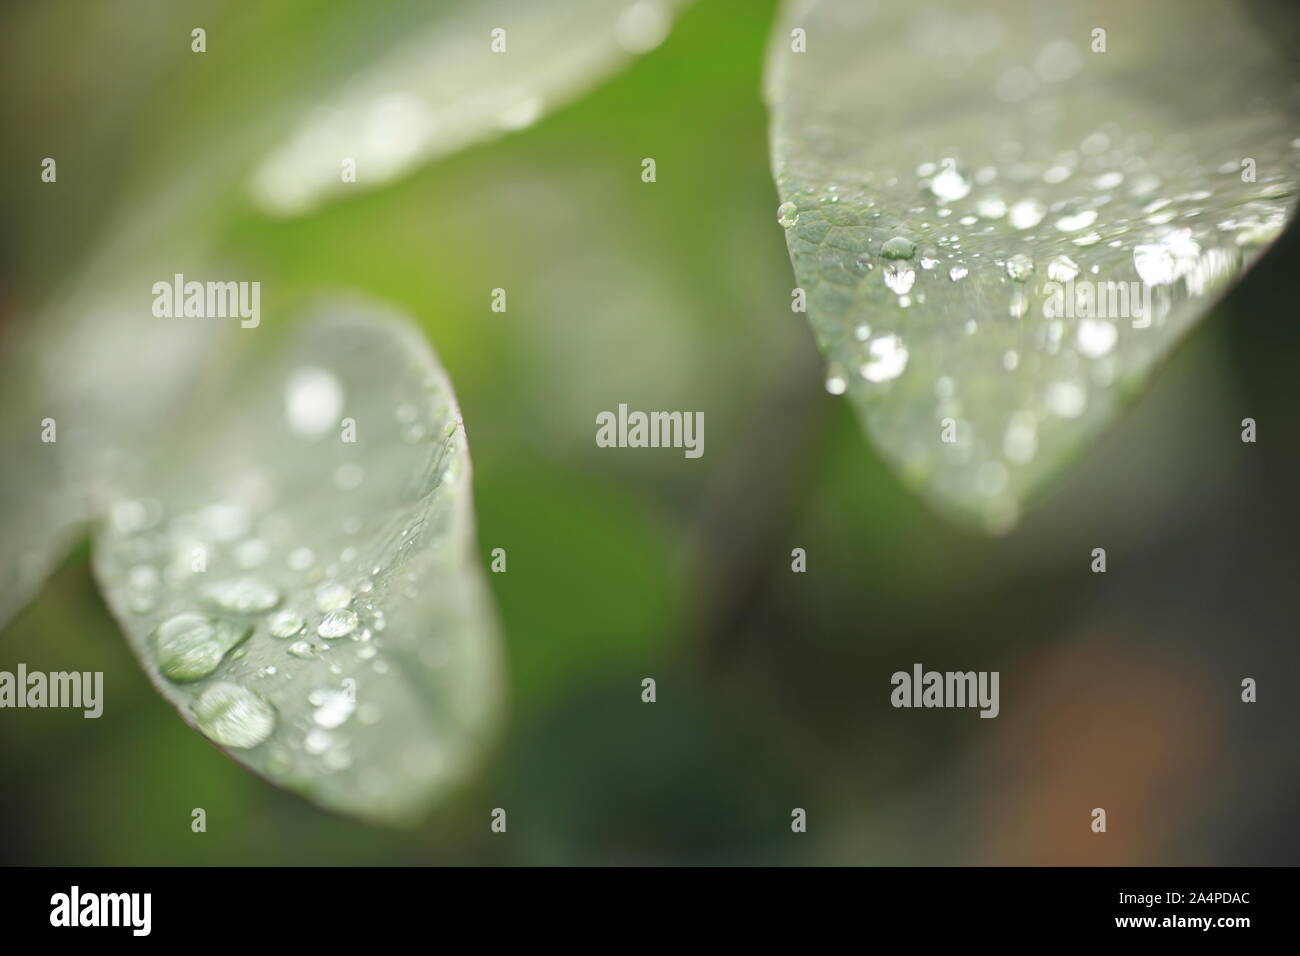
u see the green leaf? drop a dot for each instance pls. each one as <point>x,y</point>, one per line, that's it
<point>312,604</point>
<point>40,516</point>
<point>387,89</point>
<point>464,73</point>
<point>940,166</point>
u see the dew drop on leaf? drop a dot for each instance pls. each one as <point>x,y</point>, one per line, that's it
<point>191,646</point>
<point>338,623</point>
<point>234,716</point>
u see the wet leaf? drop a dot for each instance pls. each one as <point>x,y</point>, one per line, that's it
<point>299,577</point>
<point>1004,216</point>
<point>386,91</point>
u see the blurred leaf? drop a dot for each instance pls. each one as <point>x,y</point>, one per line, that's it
<point>313,604</point>
<point>468,72</point>
<point>38,520</point>
<point>387,91</point>
<point>953,179</point>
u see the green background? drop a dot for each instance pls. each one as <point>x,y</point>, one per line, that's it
<point>1118,690</point>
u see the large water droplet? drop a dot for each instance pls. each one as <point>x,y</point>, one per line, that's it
<point>898,247</point>
<point>1160,263</point>
<point>787,214</point>
<point>285,624</point>
<point>234,716</point>
<point>887,361</point>
<point>1020,267</point>
<point>1062,269</point>
<point>190,646</point>
<point>949,185</point>
<point>338,623</point>
<point>1096,337</point>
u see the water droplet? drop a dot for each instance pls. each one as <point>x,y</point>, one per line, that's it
<point>957,272</point>
<point>1108,180</point>
<point>190,646</point>
<point>338,623</point>
<point>949,185</point>
<point>234,716</point>
<point>1066,399</point>
<point>928,264</point>
<point>1027,213</point>
<point>313,401</point>
<point>1062,269</point>
<point>888,358</point>
<point>1080,220</point>
<point>991,207</point>
<point>1020,267</point>
<point>333,707</point>
<point>301,649</point>
<point>243,595</point>
<point>331,596</point>
<point>898,247</point>
<point>285,624</point>
<point>787,214</point>
<point>1258,234</point>
<point>1096,337</point>
<point>1160,263</point>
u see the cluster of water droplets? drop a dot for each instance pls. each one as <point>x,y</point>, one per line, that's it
<point>1091,248</point>
<point>275,617</point>
<point>216,587</point>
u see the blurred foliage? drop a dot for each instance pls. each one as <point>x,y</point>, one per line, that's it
<point>1118,690</point>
